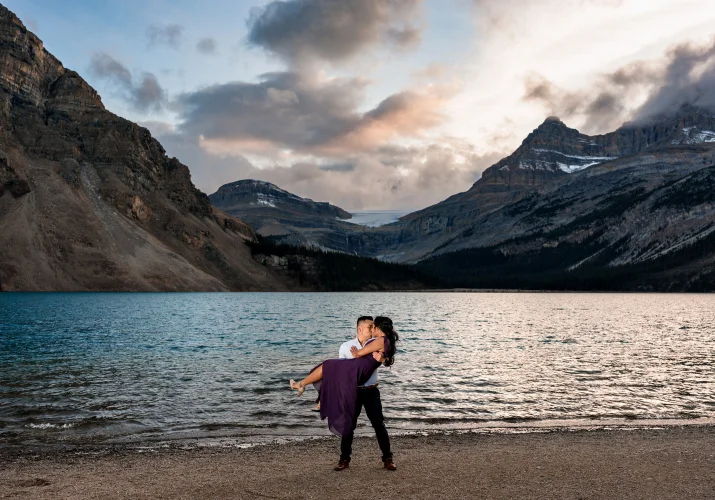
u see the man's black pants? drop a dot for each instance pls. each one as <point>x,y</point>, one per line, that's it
<point>370,399</point>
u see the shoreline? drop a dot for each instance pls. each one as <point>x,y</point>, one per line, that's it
<point>674,462</point>
<point>10,452</point>
<point>405,290</point>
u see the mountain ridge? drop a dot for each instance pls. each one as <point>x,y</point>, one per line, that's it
<point>533,163</point>
<point>607,213</point>
<point>90,201</point>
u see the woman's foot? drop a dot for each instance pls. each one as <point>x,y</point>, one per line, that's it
<point>297,387</point>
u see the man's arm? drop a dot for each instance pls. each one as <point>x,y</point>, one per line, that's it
<point>344,352</point>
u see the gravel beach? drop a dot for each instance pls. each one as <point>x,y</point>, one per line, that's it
<point>677,462</point>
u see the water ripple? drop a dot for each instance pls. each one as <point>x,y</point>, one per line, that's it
<point>112,367</point>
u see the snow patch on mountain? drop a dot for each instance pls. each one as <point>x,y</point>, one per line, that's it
<point>570,163</point>
<point>578,157</point>
<point>692,135</point>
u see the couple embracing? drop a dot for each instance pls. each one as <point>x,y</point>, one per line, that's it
<point>347,384</point>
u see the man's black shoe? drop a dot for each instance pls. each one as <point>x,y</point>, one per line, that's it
<point>342,465</point>
<point>389,464</point>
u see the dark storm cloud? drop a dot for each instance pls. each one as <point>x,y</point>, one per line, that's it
<point>206,46</point>
<point>288,110</point>
<point>283,108</point>
<point>143,96</point>
<point>332,30</point>
<point>166,34</point>
<point>688,78</point>
<point>686,75</point>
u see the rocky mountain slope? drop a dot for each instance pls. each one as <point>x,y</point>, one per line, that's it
<point>550,155</point>
<point>641,222</point>
<point>90,201</point>
<point>553,152</point>
<point>633,209</point>
<point>266,198</point>
<point>291,220</point>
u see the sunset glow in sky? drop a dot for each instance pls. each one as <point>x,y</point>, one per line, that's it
<point>372,104</point>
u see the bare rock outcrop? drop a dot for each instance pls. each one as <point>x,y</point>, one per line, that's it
<point>90,201</point>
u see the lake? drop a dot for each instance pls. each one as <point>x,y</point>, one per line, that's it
<point>117,368</point>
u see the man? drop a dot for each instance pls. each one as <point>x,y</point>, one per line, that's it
<point>369,397</point>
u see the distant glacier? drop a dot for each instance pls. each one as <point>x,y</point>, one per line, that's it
<point>376,218</point>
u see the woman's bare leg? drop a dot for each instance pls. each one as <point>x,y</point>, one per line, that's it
<point>314,376</point>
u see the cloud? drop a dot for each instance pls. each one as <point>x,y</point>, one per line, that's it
<point>333,31</point>
<point>291,111</point>
<point>105,66</point>
<point>167,34</point>
<point>206,46</point>
<point>146,95</point>
<point>392,177</point>
<point>635,92</point>
<point>687,78</point>
<point>509,16</point>
<point>601,107</point>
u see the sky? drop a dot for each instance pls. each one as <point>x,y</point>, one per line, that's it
<point>375,104</point>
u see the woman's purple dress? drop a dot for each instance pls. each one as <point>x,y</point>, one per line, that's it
<point>339,389</point>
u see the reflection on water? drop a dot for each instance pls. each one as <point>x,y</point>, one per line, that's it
<point>116,367</point>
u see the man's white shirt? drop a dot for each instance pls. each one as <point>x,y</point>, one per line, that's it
<point>345,353</point>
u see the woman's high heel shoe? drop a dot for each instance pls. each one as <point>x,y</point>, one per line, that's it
<point>297,387</point>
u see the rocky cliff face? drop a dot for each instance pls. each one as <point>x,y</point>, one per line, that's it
<point>287,218</point>
<point>550,151</point>
<point>643,222</point>
<point>554,150</point>
<point>520,194</point>
<point>90,201</point>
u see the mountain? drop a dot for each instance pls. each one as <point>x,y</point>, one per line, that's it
<point>642,220</point>
<point>553,152</point>
<point>273,211</point>
<point>555,168</point>
<point>645,222</point>
<point>633,210</point>
<point>90,201</point>
<point>288,219</point>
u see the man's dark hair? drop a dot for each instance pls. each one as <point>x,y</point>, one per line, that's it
<point>363,318</point>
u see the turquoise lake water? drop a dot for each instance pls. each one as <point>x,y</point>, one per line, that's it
<point>141,368</point>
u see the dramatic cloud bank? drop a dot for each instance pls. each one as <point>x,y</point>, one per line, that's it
<point>686,75</point>
<point>378,104</point>
<point>400,177</point>
<point>333,30</point>
<point>290,111</point>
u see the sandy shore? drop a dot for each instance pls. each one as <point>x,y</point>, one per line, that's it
<point>676,463</point>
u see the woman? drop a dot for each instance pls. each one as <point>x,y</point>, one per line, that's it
<point>337,380</point>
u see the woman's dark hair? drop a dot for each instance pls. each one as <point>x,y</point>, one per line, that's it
<point>385,324</point>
